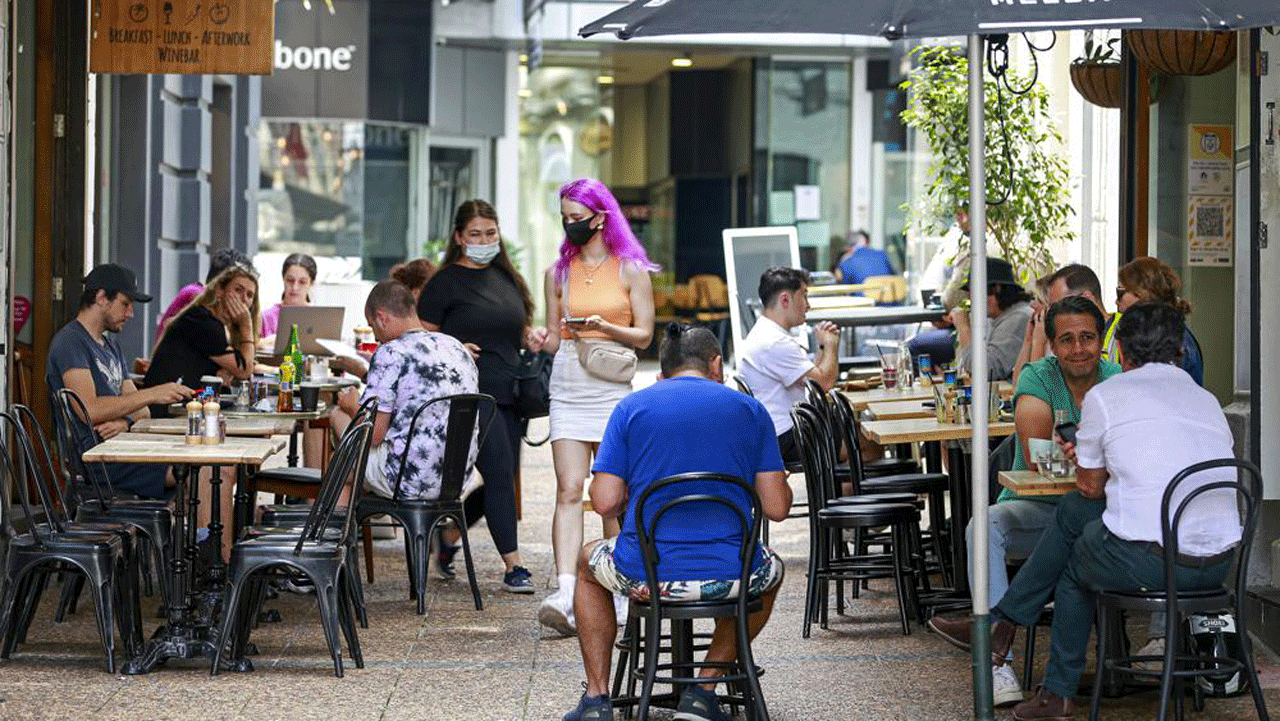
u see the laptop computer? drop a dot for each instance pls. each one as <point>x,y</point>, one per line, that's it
<point>313,322</point>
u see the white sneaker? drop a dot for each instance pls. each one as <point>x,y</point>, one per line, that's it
<point>1004,685</point>
<point>556,613</point>
<point>620,606</point>
<point>1154,647</point>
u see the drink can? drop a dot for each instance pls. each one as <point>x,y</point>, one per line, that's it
<point>926,364</point>
<point>949,377</point>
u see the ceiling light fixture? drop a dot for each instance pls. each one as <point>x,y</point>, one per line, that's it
<point>684,61</point>
<point>605,79</point>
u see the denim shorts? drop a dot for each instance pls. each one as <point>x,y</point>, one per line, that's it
<point>764,578</point>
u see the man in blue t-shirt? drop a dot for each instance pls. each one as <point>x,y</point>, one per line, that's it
<point>863,261</point>
<point>688,422</point>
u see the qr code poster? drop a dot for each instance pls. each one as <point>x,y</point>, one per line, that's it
<point>1209,225</point>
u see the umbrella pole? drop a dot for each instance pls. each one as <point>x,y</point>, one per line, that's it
<point>982,692</point>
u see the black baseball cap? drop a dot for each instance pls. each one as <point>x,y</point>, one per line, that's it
<point>115,279</point>
<point>999,272</point>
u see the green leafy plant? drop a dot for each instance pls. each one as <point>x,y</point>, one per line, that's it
<point>1098,53</point>
<point>1028,181</point>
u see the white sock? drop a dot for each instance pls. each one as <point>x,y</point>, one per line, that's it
<point>567,583</point>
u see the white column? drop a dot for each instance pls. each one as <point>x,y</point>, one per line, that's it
<point>860,162</point>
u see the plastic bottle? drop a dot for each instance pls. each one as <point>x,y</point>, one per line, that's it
<point>195,427</point>
<point>211,410</point>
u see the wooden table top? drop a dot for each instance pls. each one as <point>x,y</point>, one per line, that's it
<point>247,427</point>
<point>157,448</point>
<point>862,399</point>
<point>838,289</point>
<point>1031,483</point>
<point>899,410</point>
<point>919,430</point>
<point>178,410</point>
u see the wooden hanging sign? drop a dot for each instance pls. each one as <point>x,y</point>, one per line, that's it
<point>198,37</point>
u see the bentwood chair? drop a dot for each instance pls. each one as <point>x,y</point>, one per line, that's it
<point>421,517</point>
<point>1178,666</point>
<point>103,553</point>
<point>828,562</point>
<point>318,551</point>
<point>691,492</point>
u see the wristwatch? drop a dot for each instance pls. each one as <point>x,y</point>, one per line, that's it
<point>129,421</point>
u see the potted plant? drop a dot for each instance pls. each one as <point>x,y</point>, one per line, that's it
<point>1028,181</point>
<point>1096,75</point>
<point>1183,52</point>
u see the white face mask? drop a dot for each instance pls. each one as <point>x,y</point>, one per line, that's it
<point>482,254</point>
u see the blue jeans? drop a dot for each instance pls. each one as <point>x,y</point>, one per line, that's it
<point>1014,527</point>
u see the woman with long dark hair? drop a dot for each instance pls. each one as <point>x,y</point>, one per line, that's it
<point>299,274</point>
<point>599,311</point>
<point>478,297</point>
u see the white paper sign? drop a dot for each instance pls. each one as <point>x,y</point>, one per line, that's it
<point>808,202</point>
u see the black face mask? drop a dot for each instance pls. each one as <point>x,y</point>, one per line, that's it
<point>580,232</point>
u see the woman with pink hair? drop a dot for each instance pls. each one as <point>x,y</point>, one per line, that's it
<point>599,311</point>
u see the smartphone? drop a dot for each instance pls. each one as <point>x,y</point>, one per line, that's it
<point>575,321</point>
<point>1067,431</point>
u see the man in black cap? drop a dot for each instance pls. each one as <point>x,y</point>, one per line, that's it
<point>1009,308</point>
<point>86,359</point>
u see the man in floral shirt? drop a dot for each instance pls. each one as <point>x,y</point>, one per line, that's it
<point>411,366</point>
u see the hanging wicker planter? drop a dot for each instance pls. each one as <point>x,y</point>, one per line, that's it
<point>1183,52</point>
<point>1098,83</point>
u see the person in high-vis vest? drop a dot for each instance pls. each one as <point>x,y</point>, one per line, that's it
<point>1070,280</point>
<point>1147,280</point>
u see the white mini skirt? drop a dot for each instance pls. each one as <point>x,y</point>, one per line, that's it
<point>580,402</point>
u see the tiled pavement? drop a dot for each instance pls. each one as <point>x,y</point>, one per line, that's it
<point>456,663</point>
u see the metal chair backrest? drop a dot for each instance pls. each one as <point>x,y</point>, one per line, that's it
<point>742,386</point>
<point>26,475</point>
<point>344,472</point>
<point>364,411</point>
<point>647,532</point>
<point>72,426</point>
<point>464,415</point>
<point>42,462</point>
<point>1248,497</point>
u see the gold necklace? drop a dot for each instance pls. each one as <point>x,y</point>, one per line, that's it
<point>590,275</point>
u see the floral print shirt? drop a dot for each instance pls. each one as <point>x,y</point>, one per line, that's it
<point>405,373</point>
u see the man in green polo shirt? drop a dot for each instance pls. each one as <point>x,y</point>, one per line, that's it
<point>1074,327</point>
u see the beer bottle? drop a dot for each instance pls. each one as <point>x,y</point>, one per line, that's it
<point>284,403</point>
<point>295,353</point>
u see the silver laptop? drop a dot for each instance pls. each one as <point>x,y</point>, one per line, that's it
<point>313,322</point>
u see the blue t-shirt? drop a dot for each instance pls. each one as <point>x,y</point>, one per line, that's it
<point>683,425</point>
<point>863,263</point>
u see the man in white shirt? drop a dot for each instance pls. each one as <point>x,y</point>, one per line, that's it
<point>1137,431</point>
<point>773,365</point>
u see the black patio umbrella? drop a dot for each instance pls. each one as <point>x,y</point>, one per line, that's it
<point>925,18</point>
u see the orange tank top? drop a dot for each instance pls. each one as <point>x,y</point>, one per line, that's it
<point>596,291</point>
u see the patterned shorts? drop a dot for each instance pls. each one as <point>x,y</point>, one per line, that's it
<point>764,578</point>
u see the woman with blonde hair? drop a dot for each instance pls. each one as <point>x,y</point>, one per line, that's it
<point>1147,280</point>
<point>599,311</point>
<point>214,335</point>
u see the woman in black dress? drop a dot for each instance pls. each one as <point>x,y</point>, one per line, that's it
<point>214,335</point>
<point>478,297</point>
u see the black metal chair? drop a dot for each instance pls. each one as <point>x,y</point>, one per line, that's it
<point>900,479</point>
<point>743,387</point>
<point>318,551</point>
<point>91,495</point>
<point>103,553</point>
<point>639,657</point>
<point>1178,666</point>
<point>420,517</point>
<point>828,562</point>
<point>825,402</point>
